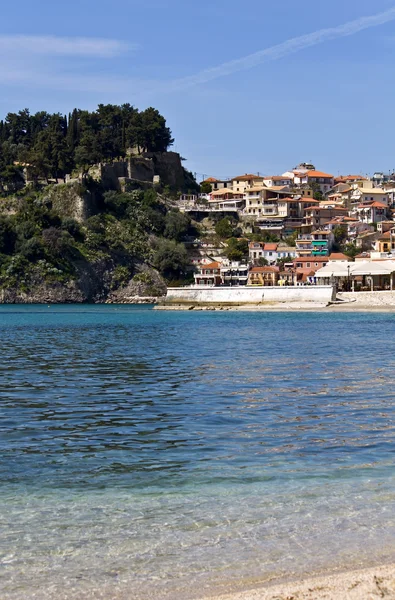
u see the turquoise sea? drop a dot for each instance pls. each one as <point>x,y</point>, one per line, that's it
<point>149,454</point>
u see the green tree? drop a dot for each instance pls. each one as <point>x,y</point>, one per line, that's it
<point>224,229</point>
<point>351,250</point>
<point>236,250</point>
<point>340,233</point>
<point>171,258</point>
<point>262,262</point>
<point>176,225</point>
<point>205,187</point>
<point>291,239</point>
<point>317,194</point>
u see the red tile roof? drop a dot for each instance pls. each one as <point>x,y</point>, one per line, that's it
<point>270,247</point>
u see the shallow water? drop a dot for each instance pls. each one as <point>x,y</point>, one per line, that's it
<point>145,453</point>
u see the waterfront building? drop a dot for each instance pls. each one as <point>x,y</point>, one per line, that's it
<point>234,274</point>
<point>267,276</point>
<point>209,274</point>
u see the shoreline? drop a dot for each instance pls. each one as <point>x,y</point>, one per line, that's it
<point>361,584</point>
<point>335,308</point>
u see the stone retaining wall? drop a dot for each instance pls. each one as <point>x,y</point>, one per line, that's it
<point>250,295</point>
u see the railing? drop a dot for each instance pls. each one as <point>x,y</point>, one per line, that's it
<point>206,208</point>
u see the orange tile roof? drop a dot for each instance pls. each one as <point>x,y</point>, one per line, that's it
<point>210,180</point>
<point>246,177</point>
<point>318,174</point>
<point>341,178</point>
<point>270,247</point>
<point>375,204</point>
<point>319,208</point>
<point>277,188</point>
<point>224,191</point>
<point>385,236</point>
<point>338,256</point>
<point>212,265</point>
<point>311,259</point>
<point>265,270</point>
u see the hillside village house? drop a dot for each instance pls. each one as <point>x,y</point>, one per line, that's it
<point>372,212</point>
<point>278,180</point>
<point>317,216</point>
<point>217,184</point>
<point>226,198</point>
<point>366,195</point>
<point>272,252</point>
<point>317,243</point>
<point>323,181</point>
<point>244,182</point>
<point>310,262</point>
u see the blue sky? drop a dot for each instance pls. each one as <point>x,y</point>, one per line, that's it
<point>326,99</point>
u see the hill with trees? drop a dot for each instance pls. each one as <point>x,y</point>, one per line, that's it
<point>53,145</point>
<point>131,244</point>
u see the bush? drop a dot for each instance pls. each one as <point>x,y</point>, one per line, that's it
<point>32,249</point>
<point>120,277</point>
<point>73,228</point>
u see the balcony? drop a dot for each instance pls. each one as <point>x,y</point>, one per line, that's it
<point>308,249</point>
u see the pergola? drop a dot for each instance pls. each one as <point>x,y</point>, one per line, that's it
<point>373,272</point>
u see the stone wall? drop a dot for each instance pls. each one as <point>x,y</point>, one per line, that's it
<point>72,200</point>
<point>250,295</point>
<point>166,165</point>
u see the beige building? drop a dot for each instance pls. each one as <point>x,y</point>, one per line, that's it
<point>244,182</point>
<point>217,184</point>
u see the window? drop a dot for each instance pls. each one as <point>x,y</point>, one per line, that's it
<point>307,265</point>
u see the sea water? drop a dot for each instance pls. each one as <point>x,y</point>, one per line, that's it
<point>150,454</point>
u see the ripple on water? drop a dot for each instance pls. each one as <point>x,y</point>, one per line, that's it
<point>183,452</point>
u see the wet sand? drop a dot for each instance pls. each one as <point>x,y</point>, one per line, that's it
<point>367,584</point>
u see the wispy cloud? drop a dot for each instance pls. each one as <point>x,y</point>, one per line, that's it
<point>286,48</point>
<point>48,45</point>
<point>28,60</point>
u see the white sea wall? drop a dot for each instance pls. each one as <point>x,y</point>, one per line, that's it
<point>250,295</point>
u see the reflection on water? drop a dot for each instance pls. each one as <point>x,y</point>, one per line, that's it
<point>181,452</point>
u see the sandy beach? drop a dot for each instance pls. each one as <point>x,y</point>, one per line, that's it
<point>347,301</point>
<point>366,584</point>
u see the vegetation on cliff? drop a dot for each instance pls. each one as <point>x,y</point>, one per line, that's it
<point>39,246</point>
<point>52,145</point>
